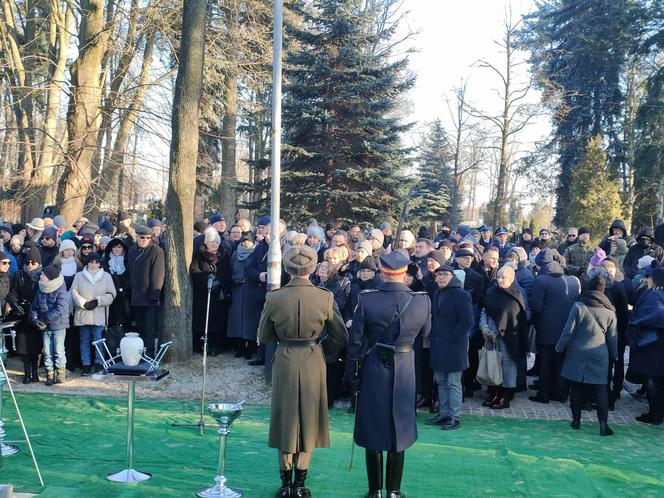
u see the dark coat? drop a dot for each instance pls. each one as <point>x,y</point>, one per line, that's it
<point>355,289</point>
<point>525,278</point>
<point>474,285</point>
<point>553,296</point>
<point>648,315</point>
<point>255,290</point>
<point>606,243</point>
<point>22,291</point>
<point>52,308</point>
<point>659,234</point>
<point>340,288</point>
<point>488,276</point>
<point>147,270</point>
<point>386,406</point>
<point>201,267</point>
<point>119,312</point>
<point>452,321</point>
<point>238,295</point>
<point>300,311</point>
<point>48,255</point>
<point>5,286</point>
<point>502,251</point>
<point>589,340</point>
<point>636,252</point>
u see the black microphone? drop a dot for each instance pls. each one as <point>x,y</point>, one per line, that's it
<point>210,280</point>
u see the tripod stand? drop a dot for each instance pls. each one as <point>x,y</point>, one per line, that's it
<point>201,421</point>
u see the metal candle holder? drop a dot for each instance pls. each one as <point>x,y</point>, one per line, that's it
<point>225,413</point>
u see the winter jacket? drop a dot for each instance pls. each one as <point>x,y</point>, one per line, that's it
<point>525,279</point>
<point>452,321</point>
<point>147,270</point>
<point>577,257</point>
<point>606,243</point>
<point>48,255</point>
<point>648,316</point>
<point>87,287</point>
<point>51,308</point>
<point>637,251</point>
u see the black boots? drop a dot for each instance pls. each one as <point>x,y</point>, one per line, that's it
<point>393,473</point>
<point>299,490</point>
<point>35,369</point>
<point>286,483</point>
<point>27,370</point>
<point>604,429</point>
<point>374,460</point>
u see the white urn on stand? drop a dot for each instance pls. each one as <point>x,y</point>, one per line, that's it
<point>131,349</point>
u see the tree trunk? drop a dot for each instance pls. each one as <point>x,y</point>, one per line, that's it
<point>182,176</point>
<point>84,111</point>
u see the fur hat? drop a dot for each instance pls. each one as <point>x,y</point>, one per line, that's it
<point>300,261</point>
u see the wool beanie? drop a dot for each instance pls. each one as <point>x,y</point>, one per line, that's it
<point>67,244</point>
<point>52,272</point>
<point>316,231</point>
<point>598,257</point>
<point>211,235</point>
<point>51,232</point>
<point>645,261</point>
<point>33,255</point>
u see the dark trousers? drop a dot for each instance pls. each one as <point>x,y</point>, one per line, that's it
<point>655,394</point>
<point>581,392</point>
<point>617,371</point>
<point>147,324</point>
<point>469,375</point>
<point>551,383</point>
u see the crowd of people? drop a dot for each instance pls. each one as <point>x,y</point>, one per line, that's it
<point>576,305</point>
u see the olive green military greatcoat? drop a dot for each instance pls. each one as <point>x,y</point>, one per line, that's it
<point>300,311</point>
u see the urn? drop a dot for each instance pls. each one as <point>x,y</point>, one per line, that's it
<point>131,349</point>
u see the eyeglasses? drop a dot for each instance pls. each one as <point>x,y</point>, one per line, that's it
<point>143,237</point>
<point>47,238</point>
<point>86,247</point>
<point>4,263</point>
<point>31,263</point>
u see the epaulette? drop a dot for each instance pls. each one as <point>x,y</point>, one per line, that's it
<point>419,293</point>
<point>325,289</point>
<point>367,291</point>
<point>274,290</point>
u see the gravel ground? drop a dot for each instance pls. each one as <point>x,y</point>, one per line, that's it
<point>228,379</point>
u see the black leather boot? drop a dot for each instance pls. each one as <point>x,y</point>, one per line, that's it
<point>393,473</point>
<point>605,430</point>
<point>27,370</point>
<point>35,369</point>
<point>299,490</point>
<point>286,484</point>
<point>374,461</point>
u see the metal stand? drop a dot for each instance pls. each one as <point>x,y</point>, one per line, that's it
<point>6,449</point>
<point>226,414</point>
<point>201,421</point>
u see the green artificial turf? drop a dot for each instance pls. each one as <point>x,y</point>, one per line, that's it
<point>79,439</point>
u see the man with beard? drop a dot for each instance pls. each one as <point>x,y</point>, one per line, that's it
<point>645,246</point>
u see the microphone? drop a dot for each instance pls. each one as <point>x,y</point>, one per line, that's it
<point>210,280</point>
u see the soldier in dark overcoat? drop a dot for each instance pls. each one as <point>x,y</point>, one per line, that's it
<point>385,325</point>
<point>294,317</point>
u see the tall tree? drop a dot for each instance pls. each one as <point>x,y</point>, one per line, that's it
<point>435,178</point>
<point>578,50</point>
<point>182,177</point>
<point>342,150</point>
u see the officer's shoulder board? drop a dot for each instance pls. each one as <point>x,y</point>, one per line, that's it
<point>419,293</point>
<point>369,291</point>
<point>324,289</point>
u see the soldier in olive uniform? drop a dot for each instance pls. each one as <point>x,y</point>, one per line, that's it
<point>385,324</point>
<point>294,316</point>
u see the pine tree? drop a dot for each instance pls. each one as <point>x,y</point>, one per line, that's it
<point>342,150</point>
<point>435,178</point>
<point>594,196</point>
<point>579,50</point>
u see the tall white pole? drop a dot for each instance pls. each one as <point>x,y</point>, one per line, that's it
<point>274,259</point>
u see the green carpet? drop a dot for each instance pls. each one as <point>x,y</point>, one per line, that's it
<point>79,439</point>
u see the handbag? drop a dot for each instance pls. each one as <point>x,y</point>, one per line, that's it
<point>490,370</point>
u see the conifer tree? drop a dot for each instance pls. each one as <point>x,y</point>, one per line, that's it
<point>343,155</point>
<point>594,195</point>
<point>435,178</point>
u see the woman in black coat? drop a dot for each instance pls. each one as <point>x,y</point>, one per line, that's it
<point>22,291</point>
<point>452,320</point>
<point>210,271</point>
<point>5,281</point>
<point>115,263</point>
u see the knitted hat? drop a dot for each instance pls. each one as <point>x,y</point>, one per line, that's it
<point>7,228</point>
<point>583,230</point>
<point>598,257</point>
<point>52,272</point>
<point>93,256</point>
<point>385,225</point>
<point>300,261</point>
<point>264,220</point>
<point>330,225</point>
<point>520,253</point>
<point>33,254</point>
<point>3,255</point>
<point>645,261</point>
<point>463,230</point>
<point>67,244</point>
<point>315,231</point>
<point>408,236</point>
<point>378,235</point>
<point>88,239</point>
<point>50,232</point>
<point>211,235</point>
<point>437,256</point>
<point>104,240</point>
<point>154,222</point>
<point>17,227</point>
<point>212,219</point>
<point>107,228</point>
<point>368,264</point>
<point>544,257</point>
<point>60,221</point>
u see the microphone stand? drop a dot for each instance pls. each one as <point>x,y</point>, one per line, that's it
<point>201,421</point>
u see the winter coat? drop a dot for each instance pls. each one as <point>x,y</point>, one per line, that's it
<point>340,288</point>
<point>356,289</point>
<point>147,270</point>
<point>48,255</point>
<point>300,311</point>
<point>659,234</point>
<point>386,418</point>
<point>488,276</point>
<point>503,250</point>
<point>525,279</point>
<point>452,321</point>
<point>648,315</point>
<point>636,252</point>
<point>5,285</point>
<point>120,309</point>
<point>589,340</point>
<point>69,279</point>
<point>51,308</point>
<point>606,243</point>
<point>201,268</point>
<point>238,293</point>
<point>87,287</point>
<point>505,313</point>
<point>577,257</point>
<point>21,293</point>
<point>552,299</point>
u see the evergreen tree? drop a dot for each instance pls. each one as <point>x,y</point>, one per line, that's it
<point>578,50</point>
<point>342,151</point>
<point>594,195</point>
<point>435,177</point>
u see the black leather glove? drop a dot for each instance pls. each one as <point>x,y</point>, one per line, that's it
<point>40,325</point>
<point>18,309</point>
<point>90,305</point>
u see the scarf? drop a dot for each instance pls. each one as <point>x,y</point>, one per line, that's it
<point>34,274</point>
<point>93,278</point>
<point>243,253</point>
<point>505,307</point>
<point>51,285</point>
<point>116,264</point>
<point>596,299</point>
<point>68,266</point>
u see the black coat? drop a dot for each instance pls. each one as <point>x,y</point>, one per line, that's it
<point>5,286</point>
<point>48,254</point>
<point>636,252</point>
<point>553,296</point>
<point>255,290</point>
<point>22,292</point>
<point>386,406</point>
<point>355,289</point>
<point>452,321</point>
<point>648,315</point>
<point>473,284</point>
<point>201,267</point>
<point>147,269</point>
<point>119,312</point>
<point>488,276</point>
